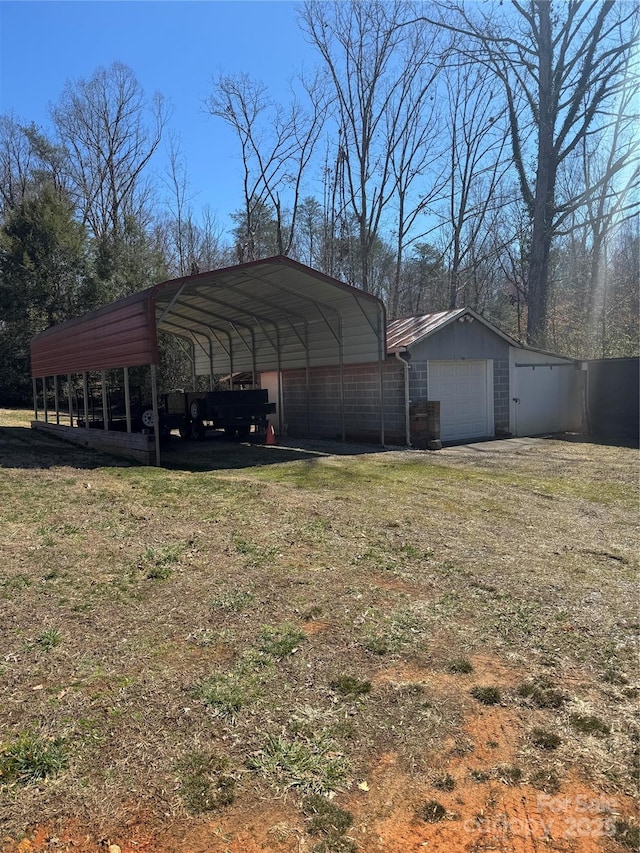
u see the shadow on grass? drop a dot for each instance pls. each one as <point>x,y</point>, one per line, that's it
<point>604,440</point>
<point>22,447</point>
<point>216,452</point>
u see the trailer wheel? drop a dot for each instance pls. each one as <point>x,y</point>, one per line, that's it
<point>197,430</point>
<point>147,418</point>
<point>244,431</point>
<point>194,410</point>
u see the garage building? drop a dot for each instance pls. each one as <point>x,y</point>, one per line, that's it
<point>323,349</point>
<point>487,384</point>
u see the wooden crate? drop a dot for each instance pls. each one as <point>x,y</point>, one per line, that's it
<point>424,420</point>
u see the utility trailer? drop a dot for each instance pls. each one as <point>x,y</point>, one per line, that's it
<point>191,413</point>
<point>141,412</point>
<point>116,409</point>
<point>235,412</point>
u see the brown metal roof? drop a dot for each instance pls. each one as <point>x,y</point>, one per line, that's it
<point>270,314</point>
<point>406,331</point>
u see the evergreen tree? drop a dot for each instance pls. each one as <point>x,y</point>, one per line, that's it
<point>45,278</point>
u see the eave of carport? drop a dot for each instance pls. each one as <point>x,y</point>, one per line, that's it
<point>272,314</point>
<point>122,334</point>
<point>242,312</point>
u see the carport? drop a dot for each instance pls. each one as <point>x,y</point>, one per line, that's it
<point>268,315</point>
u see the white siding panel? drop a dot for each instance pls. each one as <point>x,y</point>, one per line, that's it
<point>546,394</point>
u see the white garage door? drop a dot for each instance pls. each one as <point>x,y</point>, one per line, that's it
<point>463,390</point>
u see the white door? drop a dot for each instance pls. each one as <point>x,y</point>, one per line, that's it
<point>269,381</point>
<point>537,398</point>
<point>465,391</point>
<point>545,398</point>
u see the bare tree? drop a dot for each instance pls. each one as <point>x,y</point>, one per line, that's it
<point>110,131</point>
<point>611,197</point>
<point>620,328</point>
<point>337,218</point>
<point>371,60</point>
<point>414,125</point>
<point>561,65</point>
<point>190,244</point>
<point>515,240</point>
<point>180,227</point>
<point>212,252</point>
<point>581,292</point>
<point>476,164</point>
<point>276,146</point>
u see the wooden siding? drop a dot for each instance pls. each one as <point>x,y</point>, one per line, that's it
<point>121,335</point>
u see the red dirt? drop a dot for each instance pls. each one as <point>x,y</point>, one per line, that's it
<point>316,626</point>
<point>480,817</point>
<point>489,815</point>
<point>483,811</point>
<point>395,584</point>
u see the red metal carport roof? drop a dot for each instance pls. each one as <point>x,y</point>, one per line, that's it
<point>263,315</point>
<point>122,334</point>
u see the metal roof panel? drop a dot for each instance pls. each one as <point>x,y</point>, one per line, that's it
<point>251,316</point>
<point>406,331</point>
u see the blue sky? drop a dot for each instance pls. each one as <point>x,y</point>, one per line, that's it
<point>173,48</point>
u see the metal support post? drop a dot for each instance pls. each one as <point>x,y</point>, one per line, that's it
<point>85,392</point>
<point>156,419</point>
<point>70,399</point>
<point>127,398</point>
<point>56,399</point>
<point>105,408</point>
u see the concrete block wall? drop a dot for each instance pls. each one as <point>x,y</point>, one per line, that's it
<point>501,399</point>
<point>418,380</point>
<point>361,402</point>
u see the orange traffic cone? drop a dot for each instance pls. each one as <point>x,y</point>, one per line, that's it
<point>270,437</point>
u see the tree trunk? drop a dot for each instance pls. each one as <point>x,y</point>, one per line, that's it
<point>454,272</point>
<point>538,289</point>
<point>543,201</point>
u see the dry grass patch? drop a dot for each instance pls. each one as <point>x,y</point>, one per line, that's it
<point>159,626</point>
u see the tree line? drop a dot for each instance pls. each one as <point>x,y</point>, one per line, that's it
<point>439,155</point>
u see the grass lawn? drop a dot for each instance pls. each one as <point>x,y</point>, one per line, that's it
<point>293,650</point>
